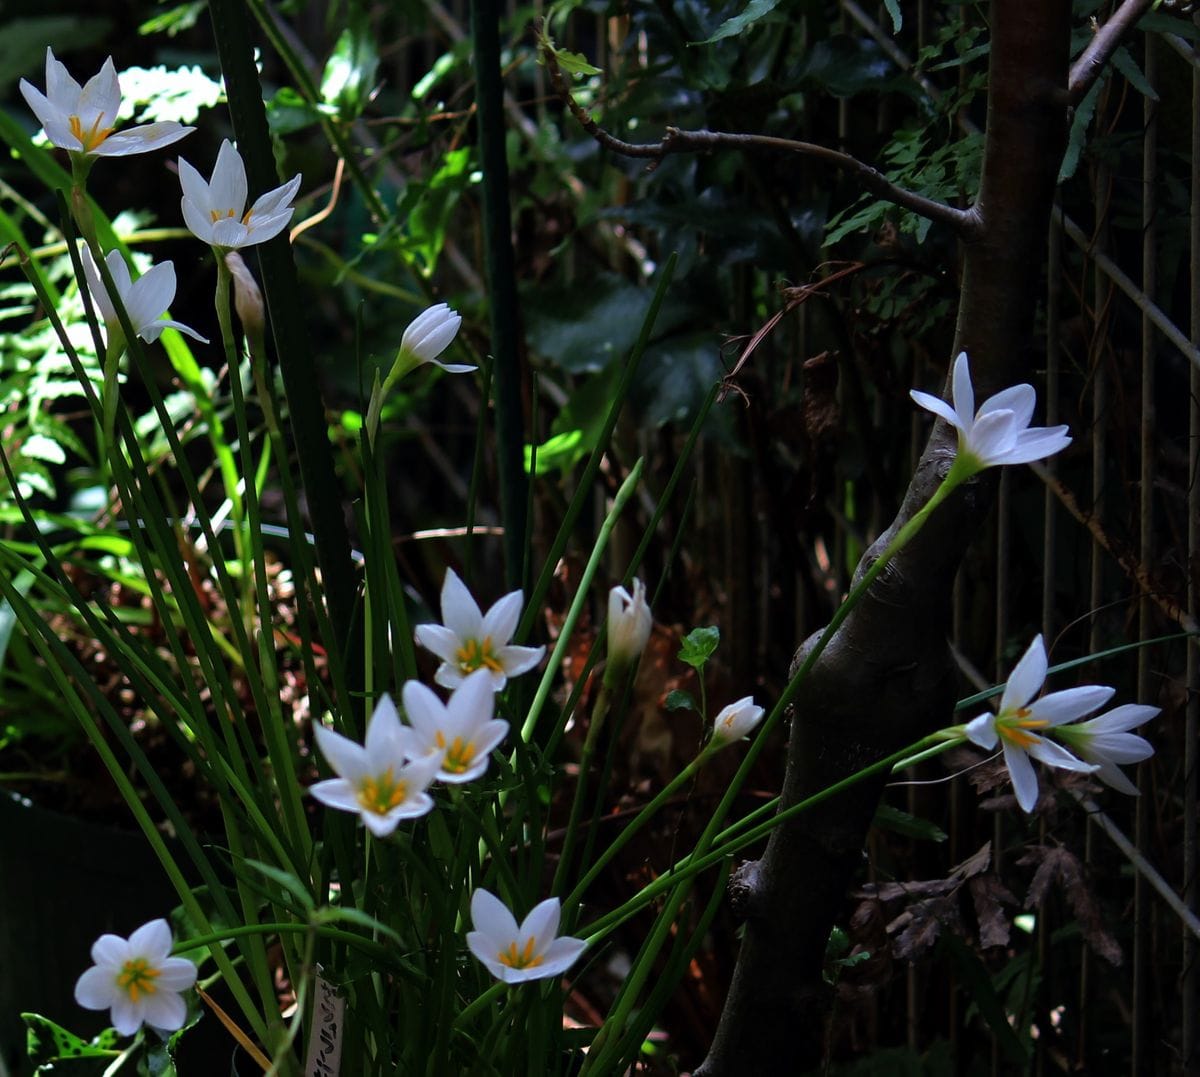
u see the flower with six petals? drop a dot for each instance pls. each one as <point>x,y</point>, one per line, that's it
<point>999,432</point>
<point>144,299</point>
<point>213,211</point>
<point>138,980</point>
<point>375,779</point>
<point>512,953</point>
<point>471,640</point>
<point>83,119</point>
<point>462,732</point>
<point>1021,718</point>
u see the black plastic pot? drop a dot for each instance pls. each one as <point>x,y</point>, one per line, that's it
<point>64,881</point>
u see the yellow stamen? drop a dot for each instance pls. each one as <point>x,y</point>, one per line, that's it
<point>93,136</point>
<point>1014,729</point>
<point>382,792</point>
<point>523,960</point>
<point>474,654</point>
<point>459,756</point>
<point>218,215</point>
<point>136,976</point>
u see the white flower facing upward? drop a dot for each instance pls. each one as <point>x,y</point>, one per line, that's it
<point>213,211</point>
<point>512,953</point>
<point>1018,721</point>
<point>427,336</point>
<point>735,721</point>
<point>375,779</point>
<point>82,120</point>
<point>1106,741</point>
<point>462,732</point>
<point>999,432</point>
<point>629,623</point>
<point>471,640</point>
<point>138,980</point>
<point>144,299</point>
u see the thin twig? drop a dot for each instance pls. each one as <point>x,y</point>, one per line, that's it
<point>964,221</point>
<point>1107,39</point>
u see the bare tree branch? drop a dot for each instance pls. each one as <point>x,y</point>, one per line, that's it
<point>966,222</point>
<point>1086,70</point>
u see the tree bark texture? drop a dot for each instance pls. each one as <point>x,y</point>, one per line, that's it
<point>887,677</point>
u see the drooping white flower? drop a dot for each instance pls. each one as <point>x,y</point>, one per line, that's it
<point>144,299</point>
<point>427,336</point>
<point>1106,741</point>
<point>138,980</point>
<point>375,779</point>
<point>735,721</point>
<point>470,640</point>
<point>1014,725</point>
<point>462,732</point>
<point>629,623</point>
<point>82,120</point>
<point>512,953</point>
<point>213,211</point>
<point>999,433</point>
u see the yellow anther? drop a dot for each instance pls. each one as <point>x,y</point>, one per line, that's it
<point>381,793</point>
<point>93,136</point>
<point>474,654</point>
<point>523,960</point>
<point>137,977</point>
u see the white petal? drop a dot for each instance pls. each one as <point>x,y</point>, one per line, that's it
<point>421,326</point>
<point>992,437</point>
<point>982,731</point>
<point>227,188</point>
<point>152,941</point>
<point>473,703</point>
<point>561,955</point>
<point>518,660</point>
<point>277,200</point>
<point>119,272</point>
<point>151,294</point>
<point>425,711</point>
<point>166,323</point>
<point>43,109</point>
<point>96,287</point>
<point>1024,780</point>
<point>440,640</point>
<point>100,97</point>
<point>385,742</point>
<point>1120,719</point>
<point>1019,399</point>
<point>1055,755</point>
<point>381,825</point>
<point>454,368</point>
<point>1112,775</point>
<point>142,139</point>
<point>195,188</point>
<point>500,622</point>
<point>110,950</point>
<point>165,1010</point>
<point>1037,444</point>
<point>61,88</point>
<point>230,232</point>
<point>1027,677</point>
<point>481,946</point>
<point>938,406</point>
<point>448,675</point>
<point>460,613</point>
<point>126,1014</point>
<point>1119,748</point>
<point>962,391</point>
<point>197,220</point>
<point>492,919</point>
<point>175,974</point>
<point>1065,706</point>
<point>541,924</point>
<point>268,226</point>
<point>336,793</point>
<point>347,759</point>
<point>97,988</point>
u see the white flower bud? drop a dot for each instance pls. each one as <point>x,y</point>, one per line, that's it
<point>629,623</point>
<point>735,721</point>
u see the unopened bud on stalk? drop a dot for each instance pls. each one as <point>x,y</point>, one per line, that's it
<point>629,624</point>
<point>735,721</point>
<point>247,300</point>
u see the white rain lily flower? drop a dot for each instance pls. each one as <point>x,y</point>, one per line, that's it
<point>427,336</point>
<point>735,721</point>
<point>462,732</point>
<point>1014,725</point>
<point>514,954</point>
<point>999,433</point>
<point>1106,741</point>
<point>470,640</point>
<point>82,120</point>
<point>629,623</point>
<point>138,980</point>
<point>213,211</point>
<point>144,299</point>
<point>375,779</point>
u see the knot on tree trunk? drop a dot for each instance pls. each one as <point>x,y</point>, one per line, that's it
<point>745,889</point>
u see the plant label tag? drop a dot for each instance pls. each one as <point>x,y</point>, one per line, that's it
<point>325,1040</point>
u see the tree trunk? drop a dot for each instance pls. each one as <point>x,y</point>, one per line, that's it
<point>887,678</point>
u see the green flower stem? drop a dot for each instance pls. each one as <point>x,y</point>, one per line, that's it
<point>585,582</point>
<point>472,1010</point>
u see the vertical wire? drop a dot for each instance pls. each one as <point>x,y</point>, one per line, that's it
<point>1141,896</point>
<point>1191,773</point>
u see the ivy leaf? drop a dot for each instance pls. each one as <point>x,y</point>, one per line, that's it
<point>698,646</point>
<point>48,1042</point>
